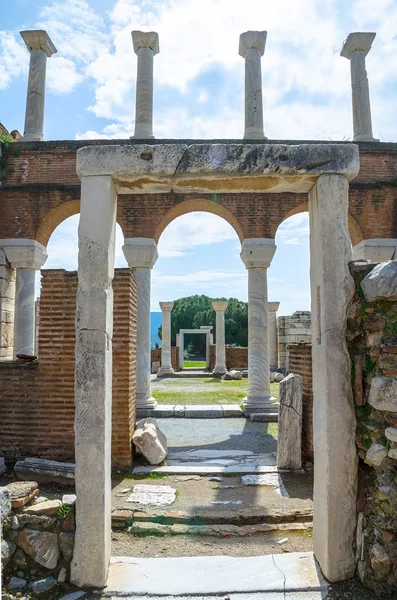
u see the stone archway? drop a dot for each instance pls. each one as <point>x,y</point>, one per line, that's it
<point>203,330</point>
<point>321,170</point>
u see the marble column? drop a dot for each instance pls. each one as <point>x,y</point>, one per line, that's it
<point>141,254</point>
<point>40,47</point>
<point>356,48</point>
<point>146,46</point>
<point>93,381</point>
<point>257,253</point>
<point>219,307</point>
<point>251,48</point>
<point>166,365</point>
<point>273,345</point>
<point>27,257</point>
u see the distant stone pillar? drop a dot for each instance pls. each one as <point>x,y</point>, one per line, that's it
<point>166,364</point>
<point>356,48</point>
<point>146,45</point>
<point>257,254</point>
<point>251,48</point>
<point>27,257</point>
<point>40,47</point>
<point>141,254</point>
<point>273,345</point>
<point>219,307</point>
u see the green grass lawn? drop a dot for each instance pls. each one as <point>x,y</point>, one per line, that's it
<point>203,391</point>
<point>199,364</point>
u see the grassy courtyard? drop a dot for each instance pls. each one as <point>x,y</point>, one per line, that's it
<point>198,364</point>
<point>202,391</point>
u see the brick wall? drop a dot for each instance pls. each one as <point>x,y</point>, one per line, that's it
<point>156,357</point>
<point>236,358</point>
<point>40,189</point>
<point>37,408</point>
<point>300,363</point>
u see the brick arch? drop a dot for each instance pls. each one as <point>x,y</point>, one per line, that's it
<point>356,234</point>
<point>54,218</point>
<point>198,205</point>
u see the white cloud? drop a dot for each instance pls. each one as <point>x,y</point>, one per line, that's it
<point>14,58</point>
<point>294,230</point>
<point>62,76</point>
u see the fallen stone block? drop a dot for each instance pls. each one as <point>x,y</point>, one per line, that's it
<point>45,471</point>
<point>381,282</point>
<point>289,452</point>
<point>227,376</point>
<point>150,441</point>
<point>22,492</point>
<point>237,375</point>
<point>41,546</point>
<point>278,377</point>
<point>271,417</point>
<point>48,508</point>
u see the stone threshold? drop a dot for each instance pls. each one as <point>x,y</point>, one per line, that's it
<point>192,411</point>
<point>277,574</point>
<point>147,529</point>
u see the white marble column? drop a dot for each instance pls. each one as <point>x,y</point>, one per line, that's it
<point>166,365</point>
<point>251,48</point>
<point>273,345</point>
<point>219,307</point>
<point>356,48</point>
<point>257,253</point>
<point>27,257</point>
<point>146,46</point>
<point>141,254</point>
<point>93,381</point>
<point>40,47</point>
<point>334,421</point>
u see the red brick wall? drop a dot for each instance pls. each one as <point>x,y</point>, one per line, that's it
<point>236,358</point>
<point>300,363</point>
<point>37,408</point>
<point>156,357</point>
<point>41,189</point>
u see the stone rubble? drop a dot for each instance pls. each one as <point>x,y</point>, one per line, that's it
<point>150,441</point>
<point>45,471</point>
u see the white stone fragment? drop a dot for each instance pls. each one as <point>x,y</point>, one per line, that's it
<point>383,393</point>
<point>157,495</point>
<point>391,434</point>
<point>289,453</point>
<point>69,499</point>
<point>150,440</point>
<point>375,455</point>
<point>381,282</point>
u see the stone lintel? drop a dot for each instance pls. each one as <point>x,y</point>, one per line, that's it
<point>219,305</point>
<point>38,39</point>
<point>357,41</point>
<point>252,39</point>
<point>143,39</point>
<point>140,252</point>
<point>217,168</point>
<point>165,306</point>
<point>258,252</point>
<point>203,331</point>
<point>273,306</point>
<point>24,253</point>
<point>376,249</point>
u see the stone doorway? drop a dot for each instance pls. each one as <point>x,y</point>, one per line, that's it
<point>320,170</point>
<point>203,331</point>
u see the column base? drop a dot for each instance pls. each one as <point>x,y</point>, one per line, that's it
<point>146,403</point>
<point>364,137</point>
<point>143,135</point>
<point>254,134</point>
<point>260,404</point>
<point>219,371</point>
<point>165,371</point>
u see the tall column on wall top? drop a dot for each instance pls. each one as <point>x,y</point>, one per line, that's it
<point>93,381</point>
<point>219,307</point>
<point>27,257</point>
<point>146,46</point>
<point>251,48</point>
<point>356,48</point>
<point>40,47</point>
<point>334,423</point>
<point>141,254</point>
<point>257,254</point>
<point>273,344</point>
<point>166,365</point>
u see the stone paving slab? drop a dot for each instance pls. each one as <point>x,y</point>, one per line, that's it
<point>206,469</point>
<point>280,573</point>
<point>203,411</point>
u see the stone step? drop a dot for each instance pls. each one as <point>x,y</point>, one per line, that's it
<point>211,576</point>
<point>191,411</point>
<point>142,529</point>
<point>270,417</point>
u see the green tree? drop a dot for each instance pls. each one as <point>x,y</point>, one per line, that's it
<point>193,311</point>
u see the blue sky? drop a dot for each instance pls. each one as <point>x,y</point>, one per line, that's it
<point>199,80</point>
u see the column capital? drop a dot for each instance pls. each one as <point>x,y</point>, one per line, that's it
<point>24,253</point>
<point>140,252</point>
<point>143,39</point>
<point>273,306</point>
<point>38,39</point>
<point>257,252</point>
<point>252,39</point>
<point>166,306</point>
<point>357,41</point>
<point>219,305</point>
